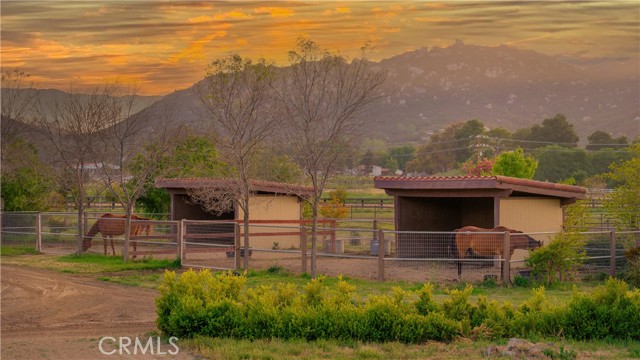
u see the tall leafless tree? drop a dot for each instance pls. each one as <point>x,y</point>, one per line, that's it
<point>322,96</point>
<point>130,152</point>
<point>239,110</point>
<point>71,125</point>
<point>104,128</point>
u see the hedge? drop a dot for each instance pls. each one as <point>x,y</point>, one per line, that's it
<point>221,305</point>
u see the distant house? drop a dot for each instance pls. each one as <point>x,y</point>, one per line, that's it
<point>443,204</point>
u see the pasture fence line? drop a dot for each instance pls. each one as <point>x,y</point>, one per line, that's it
<point>359,252</point>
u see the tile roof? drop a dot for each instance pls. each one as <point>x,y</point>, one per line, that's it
<point>454,183</point>
<point>256,185</point>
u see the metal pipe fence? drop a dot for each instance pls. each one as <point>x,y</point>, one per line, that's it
<point>358,252</point>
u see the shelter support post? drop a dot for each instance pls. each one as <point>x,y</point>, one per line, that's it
<point>180,239</point>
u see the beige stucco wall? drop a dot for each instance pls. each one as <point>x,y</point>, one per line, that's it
<point>273,207</point>
<point>531,215</point>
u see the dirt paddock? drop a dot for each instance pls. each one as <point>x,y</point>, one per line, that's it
<point>50,315</point>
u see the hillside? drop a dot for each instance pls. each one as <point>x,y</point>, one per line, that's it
<point>429,89</point>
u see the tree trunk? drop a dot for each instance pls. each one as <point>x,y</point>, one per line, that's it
<point>246,239</point>
<point>314,236</point>
<point>80,227</point>
<point>127,233</point>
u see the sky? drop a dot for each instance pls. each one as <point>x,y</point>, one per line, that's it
<point>162,46</point>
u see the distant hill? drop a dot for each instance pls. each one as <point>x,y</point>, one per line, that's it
<point>505,86</point>
<point>430,89</point>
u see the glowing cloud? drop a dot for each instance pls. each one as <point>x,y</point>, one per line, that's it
<point>274,11</point>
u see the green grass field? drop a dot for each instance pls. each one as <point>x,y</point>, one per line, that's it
<point>148,273</point>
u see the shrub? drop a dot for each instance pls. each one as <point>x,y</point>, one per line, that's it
<point>200,303</point>
<point>610,312</point>
<point>558,259</point>
<point>631,272</point>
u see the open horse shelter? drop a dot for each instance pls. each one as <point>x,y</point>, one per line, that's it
<point>444,204</point>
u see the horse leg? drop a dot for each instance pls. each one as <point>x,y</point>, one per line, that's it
<point>135,248</point>
<point>104,240</point>
<point>113,248</point>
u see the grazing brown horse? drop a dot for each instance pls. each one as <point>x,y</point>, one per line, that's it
<point>109,225</point>
<point>472,239</point>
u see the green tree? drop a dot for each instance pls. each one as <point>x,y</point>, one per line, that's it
<point>624,203</point>
<point>516,164</point>
<point>556,163</point>
<point>391,164</point>
<point>554,130</point>
<point>469,134</point>
<point>439,154</point>
<point>602,140</point>
<point>192,156</point>
<point>600,161</point>
<point>402,155</point>
<point>29,186</point>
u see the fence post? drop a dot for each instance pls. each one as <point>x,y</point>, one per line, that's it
<point>180,239</point>
<point>39,232</point>
<point>381,249</point>
<point>506,260</point>
<point>612,249</point>
<point>236,246</point>
<point>303,247</point>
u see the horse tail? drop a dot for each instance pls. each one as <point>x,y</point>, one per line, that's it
<point>453,247</point>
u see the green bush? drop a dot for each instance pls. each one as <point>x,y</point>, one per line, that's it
<point>200,303</point>
<point>610,312</point>
<point>631,272</point>
<point>558,259</point>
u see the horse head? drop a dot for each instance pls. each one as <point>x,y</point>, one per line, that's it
<point>533,243</point>
<point>86,244</point>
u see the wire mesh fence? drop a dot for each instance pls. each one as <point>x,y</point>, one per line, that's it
<point>445,256</point>
<point>358,252</point>
<point>210,244</point>
<point>351,252</point>
<point>276,246</point>
<point>58,232</point>
<point>19,229</point>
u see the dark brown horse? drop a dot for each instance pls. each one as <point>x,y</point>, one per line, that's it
<point>110,225</point>
<point>479,241</point>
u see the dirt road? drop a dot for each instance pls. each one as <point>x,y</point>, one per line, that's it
<point>51,315</point>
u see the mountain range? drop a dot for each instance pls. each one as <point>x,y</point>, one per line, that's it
<point>504,86</point>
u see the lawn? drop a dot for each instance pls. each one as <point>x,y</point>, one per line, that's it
<point>148,273</point>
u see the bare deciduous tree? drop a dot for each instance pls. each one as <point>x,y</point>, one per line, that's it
<point>129,154</point>
<point>102,128</point>
<point>239,109</point>
<point>321,96</point>
<point>70,126</point>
